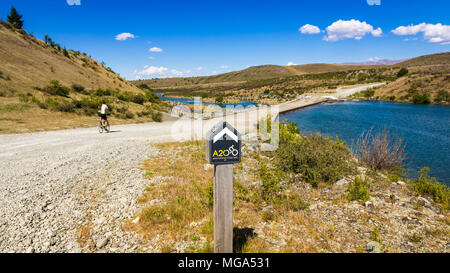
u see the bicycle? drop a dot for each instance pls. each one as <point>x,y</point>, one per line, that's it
<point>102,127</point>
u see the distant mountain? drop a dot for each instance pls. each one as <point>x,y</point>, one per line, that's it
<point>378,62</point>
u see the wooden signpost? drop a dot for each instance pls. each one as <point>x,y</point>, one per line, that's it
<point>223,149</point>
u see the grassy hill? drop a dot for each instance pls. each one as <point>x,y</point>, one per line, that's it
<point>426,81</point>
<point>253,73</point>
<point>41,81</point>
<point>426,60</point>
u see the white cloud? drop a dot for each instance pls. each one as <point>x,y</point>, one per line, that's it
<point>377,32</point>
<point>73,2</point>
<point>223,66</point>
<point>152,70</point>
<point>291,63</point>
<point>155,49</point>
<point>309,29</point>
<point>434,33</point>
<point>124,36</point>
<point>160,71</point>
<point>199,68</point>
<point>350,29</point>
<point>214,72</point>
<point>373,2</point>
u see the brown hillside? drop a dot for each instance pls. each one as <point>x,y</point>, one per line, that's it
<point>433,59</point>
<point>26,62</point>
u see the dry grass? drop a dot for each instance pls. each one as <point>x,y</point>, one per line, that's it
<point>83,235</point>
<point>177,214</point>
<point>182,197</point>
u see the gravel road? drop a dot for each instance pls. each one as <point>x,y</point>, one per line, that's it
<point>72,190</point>
<point>57,186</point>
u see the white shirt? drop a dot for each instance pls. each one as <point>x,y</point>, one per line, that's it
<point>103,109</point>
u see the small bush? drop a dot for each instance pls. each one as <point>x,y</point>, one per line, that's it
<point>430,186</point>
<point>316,158</point>
<point>219,100</point>
<point>380,150</point>
<point>61,105</point>
<point>294,203</point>
<point>78,88</point>
<point>402,72</point>
<point>442,96</point>
<point>368,93</point>
<point>288,132</point>
<point>56,89</point>
<point>270,182</point>
<point>358,190</point>
<point>421,98</point>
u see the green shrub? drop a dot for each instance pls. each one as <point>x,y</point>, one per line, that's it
<point>105,92</point>
<point>66,53</point>
<point>139,99</point>
<point>288,132</point>
<point>270,182</point>
<point>402,72</point>
<point>61,105</point>
<point>219,100</point>
<point>442,95</point>
<point>78,88</point>
<point>430,186</point>
<point>151,97</point>
<point>294,202</point>
<point>421,98</point>
<point>56,89</point>
<point>316,158</point>
<point>368,93</point>
<point>358,190</point>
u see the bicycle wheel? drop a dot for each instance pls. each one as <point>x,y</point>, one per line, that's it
<point>100,127</point>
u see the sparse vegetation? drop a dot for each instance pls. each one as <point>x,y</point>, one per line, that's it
<point>402,72</point>
<point>429,186</point>
<point>380,149</point>
<point>358,190</point>
<point>442,96</point>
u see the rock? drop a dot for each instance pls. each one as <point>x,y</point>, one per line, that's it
<point>102,242</point>
<point>267,147</point>
<point>368,204</point>
<point>341,184</point>
<point>423,202</point>
<point>401,183</point>
<point>135,221</point>
<point>373,247</point>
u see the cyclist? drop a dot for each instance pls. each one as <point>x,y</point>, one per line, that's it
<point>102,113</point>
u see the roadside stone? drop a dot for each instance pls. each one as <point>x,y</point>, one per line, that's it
<point>373,247</point>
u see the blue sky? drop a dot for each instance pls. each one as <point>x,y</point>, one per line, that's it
<point>208,37</point>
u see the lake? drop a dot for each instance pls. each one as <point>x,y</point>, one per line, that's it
<point>243,103</point>
<point>424,128</point>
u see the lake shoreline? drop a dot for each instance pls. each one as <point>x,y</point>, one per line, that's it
<point>424,129</point>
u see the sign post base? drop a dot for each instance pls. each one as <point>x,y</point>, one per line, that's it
<point>223,208</point>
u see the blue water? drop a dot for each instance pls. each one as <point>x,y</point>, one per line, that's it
<point>243,103</point>
<point>424,128</point>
